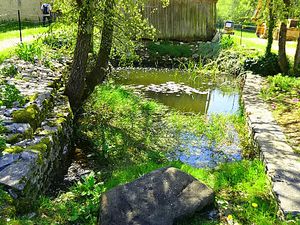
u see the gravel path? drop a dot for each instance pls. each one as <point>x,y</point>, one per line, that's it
<point>13,42</point>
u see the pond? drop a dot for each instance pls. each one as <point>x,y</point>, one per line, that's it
<point>187,93</point>
<point>183,92</point>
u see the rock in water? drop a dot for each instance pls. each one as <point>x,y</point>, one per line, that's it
<point>157,198</point>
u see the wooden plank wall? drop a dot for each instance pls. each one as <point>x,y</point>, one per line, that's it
<point>184,20</point>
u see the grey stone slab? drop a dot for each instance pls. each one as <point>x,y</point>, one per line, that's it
<point>16,174</point>
<point>8,159</point>
<point>282,164</point>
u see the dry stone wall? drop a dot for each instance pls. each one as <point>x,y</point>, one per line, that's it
<point>38,133</point>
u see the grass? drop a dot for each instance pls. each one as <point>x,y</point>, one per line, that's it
<point>7,53</point>
<point>251,41</point>
<point>282,93</point>
<point>128,123</point>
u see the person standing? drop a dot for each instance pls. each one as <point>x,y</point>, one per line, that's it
<point>46,11</point>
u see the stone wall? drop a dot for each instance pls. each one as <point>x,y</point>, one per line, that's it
<point>38,134</point>
<point>282,163</point>
<point>30,9</point>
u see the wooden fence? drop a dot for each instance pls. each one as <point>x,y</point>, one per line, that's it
<point>185,20</point>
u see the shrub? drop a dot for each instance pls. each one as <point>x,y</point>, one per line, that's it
<point>59,39</point>
<point>263,65</point>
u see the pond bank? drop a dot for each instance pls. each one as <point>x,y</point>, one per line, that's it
<point>282,164</point>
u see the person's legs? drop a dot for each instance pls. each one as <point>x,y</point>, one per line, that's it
<point>44,20</point>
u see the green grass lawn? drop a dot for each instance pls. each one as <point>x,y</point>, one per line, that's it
<point>9,30</point>
<point>251,41</point>
<point>25,32</point>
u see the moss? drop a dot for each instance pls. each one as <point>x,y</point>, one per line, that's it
<point>13,149</point>
<point>40,147</point>
<point>6,205</point>
<point>33,97</point>
<point>15,138</point>
<point>60,120</point>
<point>31,115</point>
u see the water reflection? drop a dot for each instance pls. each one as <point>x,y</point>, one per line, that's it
<point>209,99</point>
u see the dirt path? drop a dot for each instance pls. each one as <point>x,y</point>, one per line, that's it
<point>13,42</point>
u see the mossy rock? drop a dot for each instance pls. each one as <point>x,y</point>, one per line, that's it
<point>31,115</point>
<point>7,208</point>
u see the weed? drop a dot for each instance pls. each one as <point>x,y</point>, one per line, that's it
<point>9,71</point>
<point>9,94</point>
<point>227,41</point>
<point>29,52</point>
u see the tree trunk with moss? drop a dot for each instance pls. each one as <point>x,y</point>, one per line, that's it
<point>271,25</point>
<point>99,71</point>
<point>282,58</point>
<point>297,60</point>
<point>76,83</point>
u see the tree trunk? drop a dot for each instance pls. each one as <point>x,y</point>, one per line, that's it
<point>76,83</point>
<point>99,71</point>
<point>297,60</point>
<point>282,59</point>
<point>271,26</point>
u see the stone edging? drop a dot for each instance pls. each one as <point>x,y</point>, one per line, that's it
<point>282,164</point>
<point>38,134</point>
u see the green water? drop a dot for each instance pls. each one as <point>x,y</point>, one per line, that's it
<point>219,95</point>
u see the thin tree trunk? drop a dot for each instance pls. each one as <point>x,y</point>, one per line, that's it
<point>297,60</point>
<point>99,71</point>
<point>271,26</point>
<point>282,58</point>
<point>76,83</point>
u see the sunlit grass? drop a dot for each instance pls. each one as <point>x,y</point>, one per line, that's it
<point>25,32</point>
<point>249,40</point>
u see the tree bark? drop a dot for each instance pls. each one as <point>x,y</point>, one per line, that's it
<point>76,83</point>
<point>99,71</point>
<point>297,60</point>
<point>282,58</point>
<point>271,26</point>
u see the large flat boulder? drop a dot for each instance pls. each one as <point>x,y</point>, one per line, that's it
<point>157,198</point>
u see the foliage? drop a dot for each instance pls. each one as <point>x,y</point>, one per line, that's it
<point>264,65</point>
<point>9,71</point>
<point>29,52</point>
<point>235,10</point>
<point>227,42</point>
<point>59,39</point>
<point>9,94</point>
<point>169,49</point>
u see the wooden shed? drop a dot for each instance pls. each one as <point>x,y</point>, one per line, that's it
<point>183,20</point>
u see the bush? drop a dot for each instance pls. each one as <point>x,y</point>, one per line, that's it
<point>263,65</point>
<point>59,40</point>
